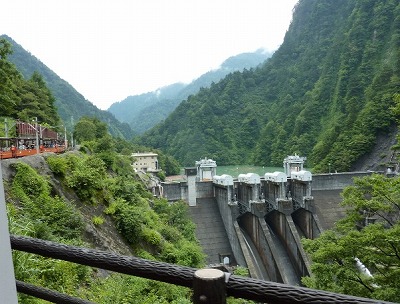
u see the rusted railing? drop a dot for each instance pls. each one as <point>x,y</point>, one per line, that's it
<point>209,286</point>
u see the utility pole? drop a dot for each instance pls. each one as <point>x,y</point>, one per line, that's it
<point>6,127</point>
<point>72,132</point>
<point>65,137</point>
<point>37,136</point>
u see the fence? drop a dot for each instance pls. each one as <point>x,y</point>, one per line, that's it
<point>209,285</point>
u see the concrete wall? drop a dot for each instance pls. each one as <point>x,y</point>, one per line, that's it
<point>204,189</point>
<point>284,228</point>
<point>335,181</point>
<point>174,191</point>
<point>256,228</point>
<point>229,211</point>
<point>307,223</point>
<point>191,182</point>
<point>247,192</point>
<point>179,191</point>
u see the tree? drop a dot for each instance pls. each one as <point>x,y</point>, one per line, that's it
<point>89,128</point>
<point>361,255</point>
<point>36,100</point>
<point>8,77</point>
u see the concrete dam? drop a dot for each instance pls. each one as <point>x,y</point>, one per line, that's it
<point>258,222</point>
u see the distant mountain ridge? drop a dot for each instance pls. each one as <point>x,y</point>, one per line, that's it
<point>71,105</point>
<point>327,93</point>
<point>144,111</point>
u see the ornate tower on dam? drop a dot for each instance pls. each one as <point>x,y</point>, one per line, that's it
<point>206,169</point>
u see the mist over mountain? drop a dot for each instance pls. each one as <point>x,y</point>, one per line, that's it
<point>70,104</point>
<point>146,110</point>
<point>327,93</point>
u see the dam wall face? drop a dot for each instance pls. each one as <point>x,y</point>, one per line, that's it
<point>179,191</point>
<point>229,211</point>
<point>335,181</point>
<point>204,189</point>
<point>175,191</point>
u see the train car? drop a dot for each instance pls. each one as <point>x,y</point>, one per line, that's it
<point>31,140</point>
<point>8,147</point>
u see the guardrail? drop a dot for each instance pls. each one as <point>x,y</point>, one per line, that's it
<point>209,285</point>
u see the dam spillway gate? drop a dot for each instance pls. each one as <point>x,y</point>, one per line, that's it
<point>260,220</point>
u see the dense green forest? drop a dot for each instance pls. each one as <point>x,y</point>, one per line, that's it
<point>326,93</point>
<point>70,104</point>
<point>22,98</point>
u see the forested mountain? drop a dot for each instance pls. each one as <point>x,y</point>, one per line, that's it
<point>69,102</point>
<point>146,110</point>
<point>21,98</point>
<point>326,93</point>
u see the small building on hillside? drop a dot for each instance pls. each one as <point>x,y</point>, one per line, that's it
<point>146,162</point>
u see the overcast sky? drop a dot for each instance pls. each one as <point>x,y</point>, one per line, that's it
<point>108,50</point>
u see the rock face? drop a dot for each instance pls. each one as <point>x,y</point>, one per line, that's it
<point>103,237</point>
<point>381,154</point>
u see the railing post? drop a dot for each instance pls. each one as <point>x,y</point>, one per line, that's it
<point>209,287</point>
<point>8,290</point>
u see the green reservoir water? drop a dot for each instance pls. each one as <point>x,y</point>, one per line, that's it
<point>234,171</point>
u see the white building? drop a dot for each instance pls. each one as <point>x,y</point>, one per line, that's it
<point>146,161</point>
<point>206,169</point>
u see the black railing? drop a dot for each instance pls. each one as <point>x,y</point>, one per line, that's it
<point>48,294</point>
<point>230,285</point>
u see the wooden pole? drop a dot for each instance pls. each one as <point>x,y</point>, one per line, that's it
<point>209,287</point>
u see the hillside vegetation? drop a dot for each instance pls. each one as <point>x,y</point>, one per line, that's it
<point>76,199</point>
<point>22,98</point>
<point>96,200</point>
<point>326,93</point>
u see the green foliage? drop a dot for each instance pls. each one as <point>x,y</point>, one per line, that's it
<point>51,216</point>
<point>40,215</point>
<point>325,93</point>
<point>111,209</point>
<point>242,271</point>
<point>168,164</point>
<point>166,228</point>
<point>98,220</point>
<point>161,176</point>
<point>27,183</point>
<point>86,175</point>
<point>20,98</point>
<point>122,165</point>
<point>119,288</point>
<point>370,233</point>
<point>89,129</point>
<point>58,165</point>
<point>154,228</point>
